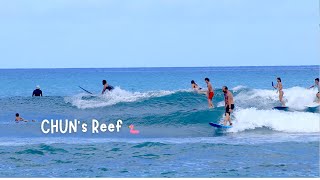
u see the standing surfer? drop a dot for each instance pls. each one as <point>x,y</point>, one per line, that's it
<point>210,93</point>
<point>229,104</point>
<point>316,84</point>
<point>106,86</point>
<point>279,89</point>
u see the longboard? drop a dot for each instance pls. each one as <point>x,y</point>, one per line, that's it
<point>219,125</point>
<point>280,108</point>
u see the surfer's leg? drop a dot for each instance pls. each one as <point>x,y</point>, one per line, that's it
<point>210,103</point>
<point>232,107</point>
<point>210,96</point>
<point>226,119</point>
<point>227,116</point>
<point>281,98</point>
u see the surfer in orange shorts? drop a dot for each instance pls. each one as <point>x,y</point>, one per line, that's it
<point>210,93</point>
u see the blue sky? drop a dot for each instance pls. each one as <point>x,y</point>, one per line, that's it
<point>158,33</point>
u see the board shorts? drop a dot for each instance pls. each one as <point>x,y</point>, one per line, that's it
<point>211,94</point>
<point>227,109</point>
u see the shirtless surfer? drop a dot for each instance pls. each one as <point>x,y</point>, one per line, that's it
<point>229,105</point>
<point>316,84</point>
<point>18,118</point>
<point>210,93</point>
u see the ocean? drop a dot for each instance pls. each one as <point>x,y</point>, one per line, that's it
<point>175,139</point>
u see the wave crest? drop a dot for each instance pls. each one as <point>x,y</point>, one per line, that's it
<point>251,118</point>
<point>118,95</point>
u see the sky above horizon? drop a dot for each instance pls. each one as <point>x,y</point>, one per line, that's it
<point>158,33</point>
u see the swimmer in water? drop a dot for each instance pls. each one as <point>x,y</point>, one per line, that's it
<point>37,91</point>
<point>18,118</point>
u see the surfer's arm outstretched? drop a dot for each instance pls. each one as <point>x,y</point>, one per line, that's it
<point>311,87</point>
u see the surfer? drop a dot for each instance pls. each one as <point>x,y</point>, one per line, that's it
<point>210,93</point>
<point>279,89</point>
<point>18,118</point>
<point>316,81</point>
<point>195,86</point>
<point>106,86</point>
<point>37,91</point>
<point>229,104</point>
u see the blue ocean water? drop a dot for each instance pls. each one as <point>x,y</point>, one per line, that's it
<point>175,138</point>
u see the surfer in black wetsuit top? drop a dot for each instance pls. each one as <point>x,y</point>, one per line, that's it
<point>37,91</point>
<point>106,86</point>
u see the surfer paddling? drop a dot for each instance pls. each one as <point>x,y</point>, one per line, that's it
<point>279,89</point>
<point>18,118</point>
<point>195,86</point>
<point>106,86</point>
<point>316,84</point>
<point>229,105</point>
<point>210,93</point>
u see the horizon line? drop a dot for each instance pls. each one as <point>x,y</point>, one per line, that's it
<point>156,67</point>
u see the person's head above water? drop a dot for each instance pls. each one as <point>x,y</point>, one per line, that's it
<point>316,80</point>
<point>104,82</point>
<point>207,80</point>
<point>17,115</point>
<point>278,79</point>
<point>192,82</point>
<point>37,87</point>
<point>224,89</point>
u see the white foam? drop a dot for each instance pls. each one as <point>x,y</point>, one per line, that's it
<point>296,97</point>
<point>251,118</point>
<point>113,97</point>
<point>237,88</point>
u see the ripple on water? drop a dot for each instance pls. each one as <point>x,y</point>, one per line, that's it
<point>31,151</point>
<point>52,149</point>
<point>148,156</point>
<point>148,144</point>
